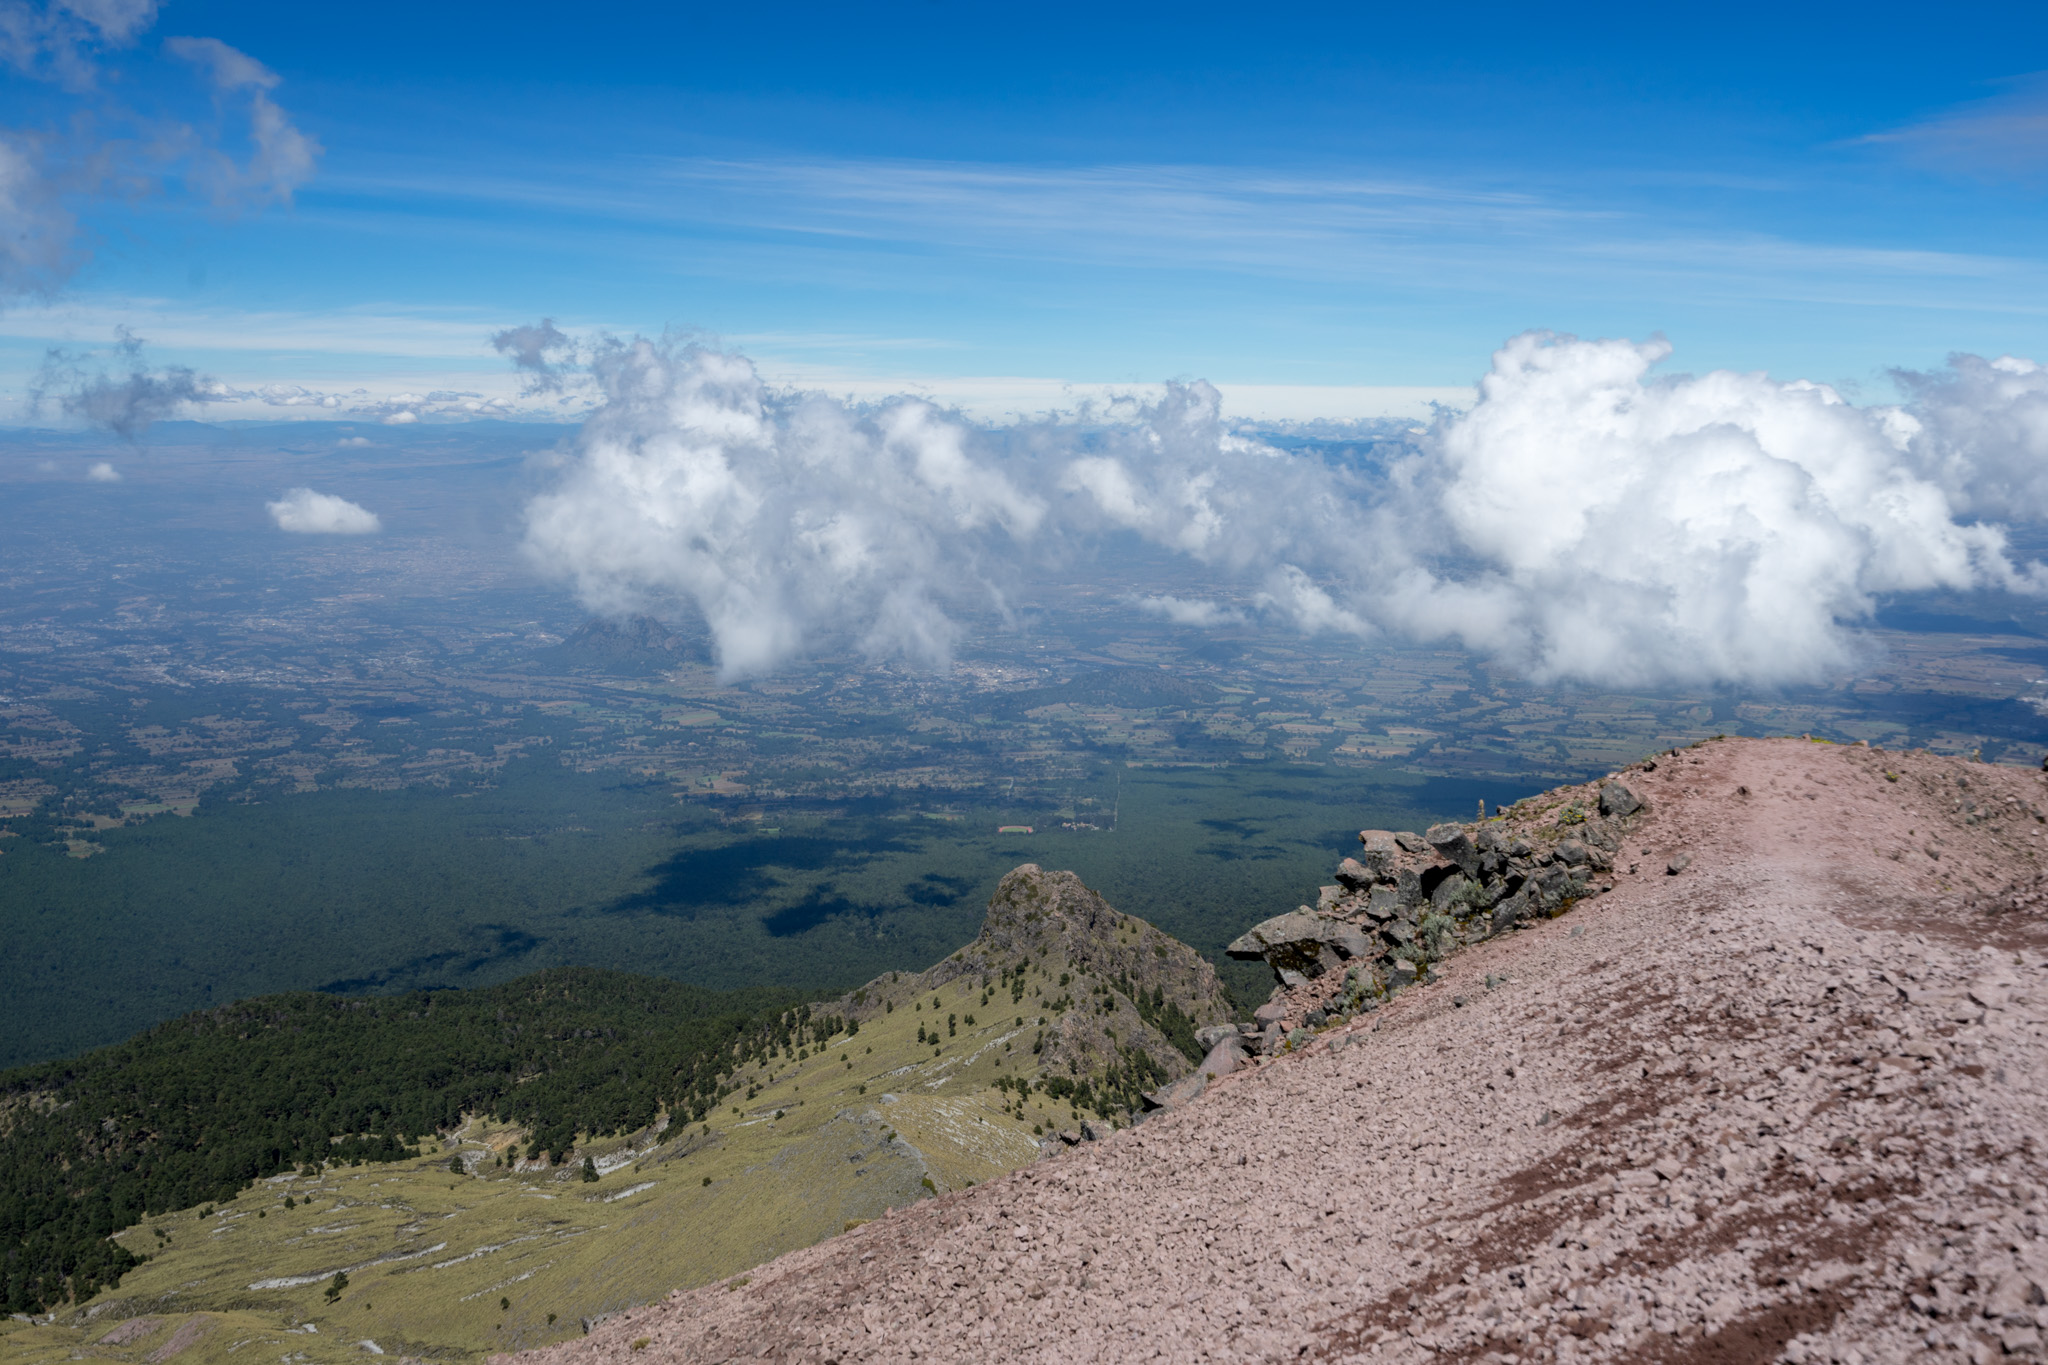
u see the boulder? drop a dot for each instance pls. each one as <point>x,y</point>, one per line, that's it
<point>1401,974</point>
<point>1214,1034</point>
<point>1381,853</point>
<point>1354,874</point>
<point>1512,911</point>
<point>1618,801</point>
<point>1227,1056</point>
<point>1384,903</point>
<point>1413,843</point>
<point>1272,1012</point>
<point>1449,892</point>
<point>1179,1093</point>
<point>1347,938</point>
<point>1302,942</point>
<point>1453,845</point>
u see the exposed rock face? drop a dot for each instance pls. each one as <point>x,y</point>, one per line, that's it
<point>1120,1001</point>
<point>1409,900</point>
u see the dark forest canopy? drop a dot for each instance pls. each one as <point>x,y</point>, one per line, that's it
<point>198,1108</point>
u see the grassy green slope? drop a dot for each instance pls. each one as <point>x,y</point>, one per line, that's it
<point>814,1140</point>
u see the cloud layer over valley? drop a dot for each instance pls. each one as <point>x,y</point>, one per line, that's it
<point>1585,519</point>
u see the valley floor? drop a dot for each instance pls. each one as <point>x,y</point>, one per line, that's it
<point>1784,1102</point>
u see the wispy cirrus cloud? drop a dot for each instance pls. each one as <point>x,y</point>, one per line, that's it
<point>1139,214</point>
<point>2004,137</point>
<point>1462,234</point>
<point>415,333</point>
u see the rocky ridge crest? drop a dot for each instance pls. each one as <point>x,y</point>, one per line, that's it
<point>1775,1096</point>
<point>1407,901</point>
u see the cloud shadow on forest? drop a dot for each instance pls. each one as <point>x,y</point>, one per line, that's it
<point>745,872</point>
<point>443,971</point>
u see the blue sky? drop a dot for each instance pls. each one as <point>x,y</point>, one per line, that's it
<point>1311,206</point>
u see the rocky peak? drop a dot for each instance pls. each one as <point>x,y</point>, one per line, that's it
<point>1034,911</point>
<point>1120,1000</point>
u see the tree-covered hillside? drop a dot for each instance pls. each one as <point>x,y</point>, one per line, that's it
<point>198,1108</point>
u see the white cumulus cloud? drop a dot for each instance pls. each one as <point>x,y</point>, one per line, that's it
<point>1980,430</point>
<point>1586,518</point>
<point>102,472</point>
<point>784,523</point>
<point>310,513</point>
<point>1189,611</point>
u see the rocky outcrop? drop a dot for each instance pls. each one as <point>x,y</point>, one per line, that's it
<point>1111,1001</point>
<point>1408,900</point>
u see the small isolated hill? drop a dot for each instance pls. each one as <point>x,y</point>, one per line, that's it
<point>638,647</point>
<point>1776,1095</point>
<point>1118,1002</point>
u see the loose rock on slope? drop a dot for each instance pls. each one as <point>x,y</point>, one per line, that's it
<point>1785,1106</point>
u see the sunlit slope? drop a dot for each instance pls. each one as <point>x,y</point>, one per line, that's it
<point>925,1095</point>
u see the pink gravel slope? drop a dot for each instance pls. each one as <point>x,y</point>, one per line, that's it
<point>1786,1104</point>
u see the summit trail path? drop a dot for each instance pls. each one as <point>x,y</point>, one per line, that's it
<point>1785,1102</point>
